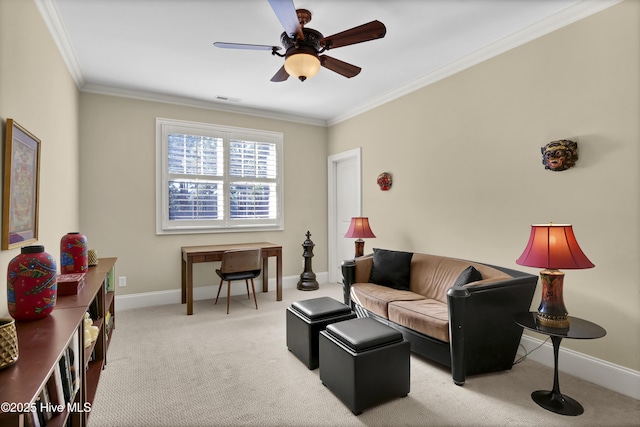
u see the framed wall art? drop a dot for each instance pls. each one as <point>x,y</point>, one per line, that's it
<point>21,187</point>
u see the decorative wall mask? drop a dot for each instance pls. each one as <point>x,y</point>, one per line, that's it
<point>384,181</point>
<point>559,155</point>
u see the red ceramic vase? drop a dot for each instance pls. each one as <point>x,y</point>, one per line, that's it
<point>32,284</point>
<point>74,253</point>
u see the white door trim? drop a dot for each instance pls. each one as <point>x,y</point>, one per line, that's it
<point>332,162</point>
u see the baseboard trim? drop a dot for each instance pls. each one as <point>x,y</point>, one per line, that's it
<point>605,374</point>
<point>173,296</point>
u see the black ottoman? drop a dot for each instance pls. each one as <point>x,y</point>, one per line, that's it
<point>364,363</point>
<point>305,319</point>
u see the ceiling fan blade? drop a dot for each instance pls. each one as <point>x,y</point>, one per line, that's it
<point>339,67</point>
<point>363,33</point>
<point>226,45</point>
<point>280,76</point>
<point>286,13</point>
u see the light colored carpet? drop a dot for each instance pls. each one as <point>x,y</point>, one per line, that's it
<point>212,369</point>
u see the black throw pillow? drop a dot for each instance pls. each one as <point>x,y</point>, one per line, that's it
<point>391,269</point>
<point>468,275</point>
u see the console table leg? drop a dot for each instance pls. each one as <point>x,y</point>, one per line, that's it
<point>183,274</point>
<point>189,286</point>
<point>265,274</point>
<point>553,400</point>
<point>279,275</point>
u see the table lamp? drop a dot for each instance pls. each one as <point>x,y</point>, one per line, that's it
<point>359,228</point>
<point>552,247</point>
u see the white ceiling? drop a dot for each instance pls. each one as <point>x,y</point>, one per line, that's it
<point>163,49</point>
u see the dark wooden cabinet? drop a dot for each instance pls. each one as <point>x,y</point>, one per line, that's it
<point>35,382</point>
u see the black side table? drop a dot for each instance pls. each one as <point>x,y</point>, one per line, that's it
<point>553,400</point>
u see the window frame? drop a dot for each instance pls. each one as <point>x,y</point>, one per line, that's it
<point>166,226</point>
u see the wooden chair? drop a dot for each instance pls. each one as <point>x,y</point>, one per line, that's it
<point>239,264</point>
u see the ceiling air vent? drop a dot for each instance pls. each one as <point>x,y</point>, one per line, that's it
<point>227,98</point>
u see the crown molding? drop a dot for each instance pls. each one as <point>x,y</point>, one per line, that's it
<point>567,16</point>
<point>209,105</point>
<point>52,20</point>
<point>561,19</point>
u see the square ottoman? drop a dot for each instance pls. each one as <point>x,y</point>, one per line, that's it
<point>364,362</point>
<point>305,319</point>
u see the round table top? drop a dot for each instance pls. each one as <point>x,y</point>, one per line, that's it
<point>578,328</point>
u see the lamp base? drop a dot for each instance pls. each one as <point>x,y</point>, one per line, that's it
<point>552,312</point>
<point>559,322</point>
<point>359,248</point>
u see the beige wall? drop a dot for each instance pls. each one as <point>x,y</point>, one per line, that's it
<point>113,172</point>
<point>118,173</point>
<point>468,180</point>
<point>37,91</point>
<point>470,187</point>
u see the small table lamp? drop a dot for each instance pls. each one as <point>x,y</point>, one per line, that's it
<point>359,228</point>
<point>552,247</point>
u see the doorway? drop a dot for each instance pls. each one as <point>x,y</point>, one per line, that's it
<point>345,201</point>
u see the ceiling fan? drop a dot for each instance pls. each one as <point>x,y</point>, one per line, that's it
<point>303,46</point>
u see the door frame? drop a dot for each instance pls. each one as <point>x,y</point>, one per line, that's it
<point>332,163</point>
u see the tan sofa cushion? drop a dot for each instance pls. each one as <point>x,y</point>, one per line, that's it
<point>424,307</point>
<point>433,275</point>
<point>364,265</point>
<point>427,316</point>
<point>376,298</point>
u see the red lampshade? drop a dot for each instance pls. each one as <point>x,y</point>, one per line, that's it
<point>553,246</point>
<point>359,228</point>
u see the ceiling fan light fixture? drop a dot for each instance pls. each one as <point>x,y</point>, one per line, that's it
<point>302,65</point>
<point>303,45</point>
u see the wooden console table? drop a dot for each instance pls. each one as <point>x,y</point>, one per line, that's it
<point>45,344</point>
<point>195,254</point>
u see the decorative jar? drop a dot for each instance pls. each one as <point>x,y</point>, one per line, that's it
<point>93,257</point>
<point>8,343</point>
<point>74,253</point>
<point>31,284</point>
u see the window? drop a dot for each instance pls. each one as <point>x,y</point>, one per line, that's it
<point>215,178</point>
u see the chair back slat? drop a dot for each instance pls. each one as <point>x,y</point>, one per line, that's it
<point>240,260</point>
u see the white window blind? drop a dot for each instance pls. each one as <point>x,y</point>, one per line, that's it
<point>216,178</point>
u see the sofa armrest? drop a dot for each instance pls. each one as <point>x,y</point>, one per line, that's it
<point>348,279</point>
<point>481,327</point>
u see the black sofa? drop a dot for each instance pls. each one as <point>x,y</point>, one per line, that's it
<point>455,312</point>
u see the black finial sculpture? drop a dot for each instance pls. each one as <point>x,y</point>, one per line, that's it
<point>308,280</point>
